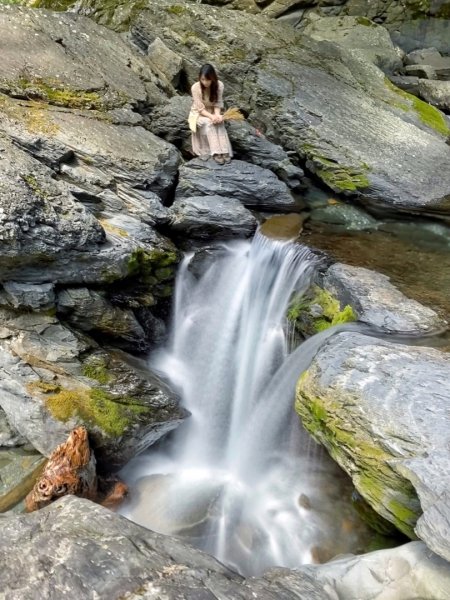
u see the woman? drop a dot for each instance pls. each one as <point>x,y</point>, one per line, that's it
<point>209,136</point>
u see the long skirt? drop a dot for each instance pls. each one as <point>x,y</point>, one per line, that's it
<point>210,139</point>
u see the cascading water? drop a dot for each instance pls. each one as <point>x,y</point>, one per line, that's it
<point>240,478</point>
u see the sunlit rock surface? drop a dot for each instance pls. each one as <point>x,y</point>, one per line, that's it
<point>377,302</point>
<point>128,561</point>
<point>381,410</point>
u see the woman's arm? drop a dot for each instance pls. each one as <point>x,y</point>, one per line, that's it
<point>198,103</point>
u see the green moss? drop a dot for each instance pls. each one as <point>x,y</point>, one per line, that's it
<point>339,177</point>
<point>54,93</point>
<point>42,386</point>
<point>365,21</point>
<point>97,407</point>
<point>429,115</point>
<point>383,488</point>
<point>96,369</point>
<point>57,5</point>
<point>299,312</point>
<point>146,264</point>
<point>33,184</point>
<point>176,9</point>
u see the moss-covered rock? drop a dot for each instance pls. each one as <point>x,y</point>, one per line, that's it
<point>363,399</point>
<point>318,310</point>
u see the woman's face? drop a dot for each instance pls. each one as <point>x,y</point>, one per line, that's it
<point>205,82</point>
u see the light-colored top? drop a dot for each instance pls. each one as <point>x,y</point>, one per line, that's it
<point>200,102</point>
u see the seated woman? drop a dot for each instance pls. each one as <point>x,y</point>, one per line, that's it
<point>210,137</point>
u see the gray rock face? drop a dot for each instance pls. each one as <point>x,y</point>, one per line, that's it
<point>90,311</point>
<point>250,145</point>
<point>284,80</point>
<point>378,302</point>
<point>8,436</point>
<point>25,295</point>
<point>53,379</point>
<point>203,217</point>
<point>436,93</point>
<point>381,409</point>
<point>38,216</point>
<point>144,564</point>
<point>253,186</point>
<point>423,33</point>
<point>83,542</point>
<point>95,68</point>
<point>410,571</point>
<point>369,40</point>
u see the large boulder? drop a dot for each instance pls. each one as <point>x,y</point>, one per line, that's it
<point>283,80</point>
<point>83,542</point>
<point>361,36</point>
<point>53,379</point>
<point>253,186</point>
<point>381,410</point>
<point>144,564</point>
<point>377,302</point>
<point>70,61</point>
<point>203,217</point>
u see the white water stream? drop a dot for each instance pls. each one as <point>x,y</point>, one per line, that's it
<point>240,478</point>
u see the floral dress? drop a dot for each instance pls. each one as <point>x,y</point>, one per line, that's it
<point>209,139</point>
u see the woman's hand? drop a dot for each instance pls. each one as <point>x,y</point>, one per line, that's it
<point>217,119</point>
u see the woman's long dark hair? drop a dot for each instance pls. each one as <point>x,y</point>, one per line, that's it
<point>209,72</point>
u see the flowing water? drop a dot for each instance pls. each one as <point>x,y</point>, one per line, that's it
<point>240,478</point>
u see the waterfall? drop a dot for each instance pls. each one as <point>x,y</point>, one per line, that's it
<point>240,478</point>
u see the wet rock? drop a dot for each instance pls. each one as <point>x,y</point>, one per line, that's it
<point>253,186</point>
<point>18,471</point>
<point>346,216</point>
<point>379,407</point>
<point>89,310</point>
<point>250,145</point>
<point>30,296</point>
<point>204,217</point>
<point>378,302</point>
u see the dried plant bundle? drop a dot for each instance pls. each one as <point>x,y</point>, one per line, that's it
<point>233,114</point>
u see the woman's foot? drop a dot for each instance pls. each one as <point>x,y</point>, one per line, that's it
<point>219,159</point>
<point>226,158</point>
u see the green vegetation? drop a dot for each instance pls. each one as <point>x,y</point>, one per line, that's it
<point>97,407</point>
<point>340,178</point>
<point>95,368</point>
<point>299,311</point>
<point>365,21</point>
<point>146,264</point>
<point>429,115</point>
<point>57,5</point>
<point>176,9</point>
<point>382,487</point>
<point>54,93</point>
